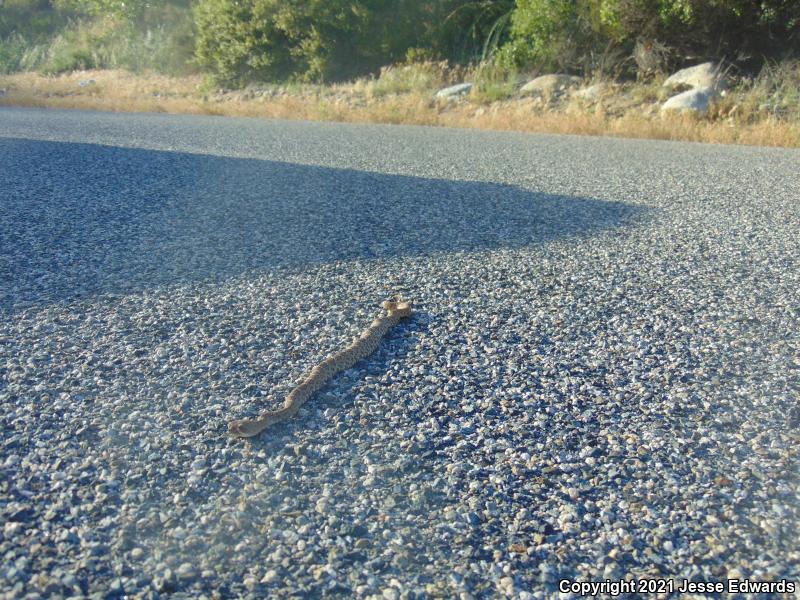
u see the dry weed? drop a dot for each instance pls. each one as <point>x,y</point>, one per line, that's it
<point>732,120</point>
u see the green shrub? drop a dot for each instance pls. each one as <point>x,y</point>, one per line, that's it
<point>238,41</point>
<point>67,60</point>
<point>331,40</point>
<point>555,34</point>
<point>559,34</point>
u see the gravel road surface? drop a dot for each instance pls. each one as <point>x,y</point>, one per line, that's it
<point>600,382</point>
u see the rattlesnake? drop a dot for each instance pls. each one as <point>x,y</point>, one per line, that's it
<point>362,346</point>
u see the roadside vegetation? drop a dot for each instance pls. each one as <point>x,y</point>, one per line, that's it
<point>379,61</point>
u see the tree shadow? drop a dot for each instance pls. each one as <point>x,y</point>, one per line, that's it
<point>77,220</point>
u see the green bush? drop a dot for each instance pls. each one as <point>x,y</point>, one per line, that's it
<point>332,40</point>
<point>559,34</point>
<point>67,60</point>
<point>562,35</point>
<point>239,41</point>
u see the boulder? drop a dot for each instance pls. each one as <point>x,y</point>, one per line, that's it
<point>550,85</point>
<point>703,76</point>
<point>593,92</point>
<point>690,101</point>
<point>86,82</point>
<point>454,90</point>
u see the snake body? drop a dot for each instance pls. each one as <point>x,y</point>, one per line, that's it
<point>362,346</point>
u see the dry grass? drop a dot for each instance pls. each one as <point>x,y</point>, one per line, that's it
<point>619,113</point>
<point>768,132</point>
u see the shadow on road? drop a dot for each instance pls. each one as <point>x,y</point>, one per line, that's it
<point>81,219</point>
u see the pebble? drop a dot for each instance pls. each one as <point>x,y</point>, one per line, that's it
<point>269,576</point>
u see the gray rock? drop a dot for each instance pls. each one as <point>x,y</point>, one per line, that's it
<point>86,82</point>
<point>704,76</point>
<point>186,571</point>
<point>549,85</point>
<point>454,90</point>
<point>592,92</point>
<point>690,101</point>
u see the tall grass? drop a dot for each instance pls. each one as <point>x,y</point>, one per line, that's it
<point>492,82</point>
<point>410,77</point>
<point>18,54</point>
<point>23,34</point>
<point>164,45</point>
<point>774,93</point>
<point>778,88</point>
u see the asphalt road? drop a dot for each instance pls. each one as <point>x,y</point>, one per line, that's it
<point>601,380</point>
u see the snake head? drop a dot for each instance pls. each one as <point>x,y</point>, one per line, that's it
<point>398,305</point>
<point>243,428</point>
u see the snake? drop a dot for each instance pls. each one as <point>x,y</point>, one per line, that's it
<point>362,346</point>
